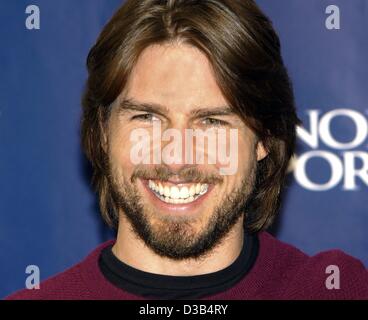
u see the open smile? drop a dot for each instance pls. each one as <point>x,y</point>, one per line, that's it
<point>177,196</point>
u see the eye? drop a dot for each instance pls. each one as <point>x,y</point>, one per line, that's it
<point>214,122</point>
<point>147,117</point>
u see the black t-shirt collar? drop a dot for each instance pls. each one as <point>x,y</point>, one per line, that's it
<point>158,286</point>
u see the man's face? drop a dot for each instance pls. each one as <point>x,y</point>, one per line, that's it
<point>180,210</point>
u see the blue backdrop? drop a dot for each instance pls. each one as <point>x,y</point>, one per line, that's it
<point>49,215</point>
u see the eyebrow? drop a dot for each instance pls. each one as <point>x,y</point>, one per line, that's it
<point>216,111</point>
<point>133,105</point>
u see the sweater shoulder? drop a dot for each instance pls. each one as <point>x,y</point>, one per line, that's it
<point>332,274</point>
<point>67,285</point>
<point>293,274</point>
<point>61,286</point>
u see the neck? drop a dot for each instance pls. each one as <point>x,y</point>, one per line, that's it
<point>132,250</point>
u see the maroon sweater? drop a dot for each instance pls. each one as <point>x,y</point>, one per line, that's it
<point>280,272</point>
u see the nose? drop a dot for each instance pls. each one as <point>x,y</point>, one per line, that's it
<point>176,150</point>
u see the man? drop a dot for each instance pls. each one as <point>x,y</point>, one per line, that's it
<point>161,74</point>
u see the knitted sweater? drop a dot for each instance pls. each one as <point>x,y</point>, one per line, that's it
<point>280,272</point>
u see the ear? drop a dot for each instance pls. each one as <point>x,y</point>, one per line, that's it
<point>261,151</point>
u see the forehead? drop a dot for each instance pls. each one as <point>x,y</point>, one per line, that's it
<point>174,75</point>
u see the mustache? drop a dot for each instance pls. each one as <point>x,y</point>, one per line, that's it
<point>185,175</point>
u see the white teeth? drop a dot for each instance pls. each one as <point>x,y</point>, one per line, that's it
<point>174,192</point>
<point>192,190</point>
<point>161,189</point>
<point>198,188</point>
<point>177,195</point>
<point>184,193</point>
<point>204,188</point>
<point>167,191</point>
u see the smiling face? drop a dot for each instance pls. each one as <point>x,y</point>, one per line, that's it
<point>180,210</point>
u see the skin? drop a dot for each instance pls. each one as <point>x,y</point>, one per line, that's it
<point>179,77</point>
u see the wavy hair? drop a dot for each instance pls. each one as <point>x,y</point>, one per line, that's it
<point>244,50</point>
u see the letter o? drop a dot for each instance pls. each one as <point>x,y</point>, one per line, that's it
<point>336,169</point>
<point>360,124</point>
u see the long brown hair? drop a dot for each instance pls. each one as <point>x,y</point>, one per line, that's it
<point>244,50</point>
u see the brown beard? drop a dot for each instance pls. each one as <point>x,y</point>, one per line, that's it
<point>173,237</point>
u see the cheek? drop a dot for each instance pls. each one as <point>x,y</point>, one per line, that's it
<point>237,153</point>
<point>247,150</point>
<point>247,161</point>
<point>119,149</point>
